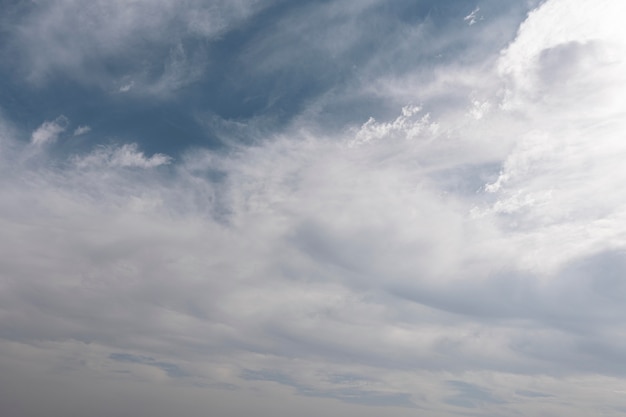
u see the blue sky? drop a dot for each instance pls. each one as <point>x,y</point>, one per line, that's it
<point>312,208</point>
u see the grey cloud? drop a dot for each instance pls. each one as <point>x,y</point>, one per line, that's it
<point>172,370</point>
<point>532,394</point>
<point>321,251</point>
<point>126,253</point>
<point>586,289</point>
<point>469,395</point>
<point>562,62</point>
<point>272,376</point>
<point>364,397</point>
<point>349,395</point>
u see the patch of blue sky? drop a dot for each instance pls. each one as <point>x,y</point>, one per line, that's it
<point>272,67</point>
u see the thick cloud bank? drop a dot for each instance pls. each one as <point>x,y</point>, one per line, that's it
<point>468,263</point>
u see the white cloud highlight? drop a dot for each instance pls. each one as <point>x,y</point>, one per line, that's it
<point>406,126</point>
<point>49,131</point>
<point>565,41</point>
<point>125,156</point>
<point>126,87</point>
<point>473,17</point>
<point>81,130</point>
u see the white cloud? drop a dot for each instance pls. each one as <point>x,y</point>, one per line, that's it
<point>473,17</point>
<point>564,35</point>
<point>479,109</point>
<point>81,130</point>
<point>127,155</point>
<point>49,131</point>
<point>406,126</point>
<point>565,73</point>
<point>126,87</point>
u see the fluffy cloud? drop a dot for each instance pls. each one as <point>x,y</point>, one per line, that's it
<point>565,48</point>
<point>567,77</point>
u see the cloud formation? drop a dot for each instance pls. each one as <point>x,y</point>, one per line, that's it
<point>81,130</point>
<point>126,155</point>
<point>445,262</point>
<point>49,131</point>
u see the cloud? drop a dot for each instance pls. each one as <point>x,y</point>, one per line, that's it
<point>81,130</point>
<point>49,131</point>
<point>532,394</point>
<point>402,126</point>
<point>344,393</point>
<point>172,370</point>
<point>179,70</point>
<point>97,42</point>
<point>579,33</point>
<point>573,73</point>
<point>126,87</point>
<point>468,260</point>
<point>345,72</point>
<point>473,17</point>
<point>469,395</point>
<point>126,155</point>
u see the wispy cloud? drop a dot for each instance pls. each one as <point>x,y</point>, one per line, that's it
<point>81,130</point>
<point>473,17</point>
<point>81,39</point>
<point>127,155</point>
<point>126,87</point>
<point>49,131</point>
<point>469,395</point>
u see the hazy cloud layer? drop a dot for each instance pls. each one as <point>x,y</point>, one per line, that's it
<point>463,255</point>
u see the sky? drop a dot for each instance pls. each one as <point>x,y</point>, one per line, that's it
<point>317,207</point>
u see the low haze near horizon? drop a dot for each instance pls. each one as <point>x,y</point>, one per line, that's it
<point>273,208</point>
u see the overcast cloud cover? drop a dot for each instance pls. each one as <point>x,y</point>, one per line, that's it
<point>273,208</point>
